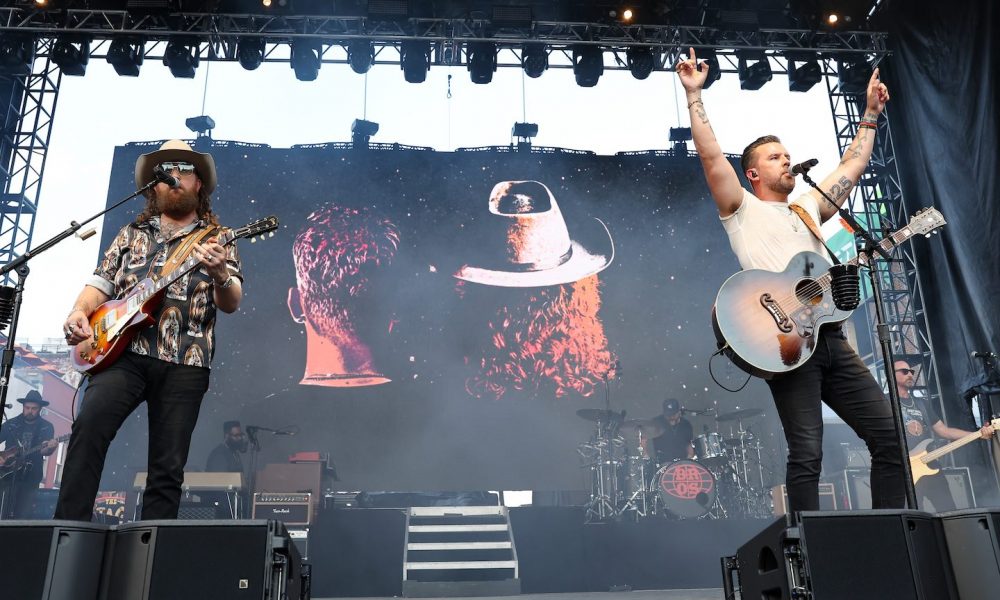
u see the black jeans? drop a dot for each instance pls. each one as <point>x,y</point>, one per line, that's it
<point>835,375</point>
<point>173,395</point>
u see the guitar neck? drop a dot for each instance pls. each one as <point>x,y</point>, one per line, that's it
<point>936,454</point>
<point>186,267</point>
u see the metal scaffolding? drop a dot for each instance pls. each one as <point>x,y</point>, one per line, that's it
<point>877,201</point>
<point>23,148</point>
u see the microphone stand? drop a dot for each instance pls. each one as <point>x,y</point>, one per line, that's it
<point>20,266</point>
<point>252,476</point>
<point>871,248</point>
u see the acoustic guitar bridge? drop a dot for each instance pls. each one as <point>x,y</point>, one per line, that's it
<point>780,318</point>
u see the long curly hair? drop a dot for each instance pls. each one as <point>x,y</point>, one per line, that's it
<point>542,341</point>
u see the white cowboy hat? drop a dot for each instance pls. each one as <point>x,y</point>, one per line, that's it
<point>172,151</point>
<point>528,244</point>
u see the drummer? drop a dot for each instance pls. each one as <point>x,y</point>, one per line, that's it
<point>670,433</point>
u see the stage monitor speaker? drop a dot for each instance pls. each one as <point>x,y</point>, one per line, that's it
<point>973,538</point>
<point>51,560</point>
<point>861,555</point>
<point>221,560</point>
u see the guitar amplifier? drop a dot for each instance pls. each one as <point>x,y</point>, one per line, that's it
<point>291,508</point>
<point>827,498</point>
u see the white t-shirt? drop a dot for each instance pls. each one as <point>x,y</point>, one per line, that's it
<point>766,235</point>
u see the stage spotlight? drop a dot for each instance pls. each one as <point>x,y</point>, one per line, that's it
<point>415,60</point>
<point>202,125</point>
<point>125,55</point>
<point>360,55</point>
<point>17,54</point>
<point>250,52</point>
<point>181,58</point>
<point>307,56</point>
<point>588,64</point>
<point>832,19</point>
<point>362,131</point>
<point>534,59</point>
<point>804,71</point>
<point>627,15</point>
<point>71,57</point>
<point>482,61</point>
<point>524,130</point>
<point>754,70</point>
<point>853,75</point>
<point>640,62</point>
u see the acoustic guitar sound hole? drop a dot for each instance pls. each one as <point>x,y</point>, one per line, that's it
<point>808,292</point>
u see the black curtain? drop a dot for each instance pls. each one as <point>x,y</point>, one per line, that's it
<point>943,117</point>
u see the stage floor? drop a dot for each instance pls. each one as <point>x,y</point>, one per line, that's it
<point>700,594</point>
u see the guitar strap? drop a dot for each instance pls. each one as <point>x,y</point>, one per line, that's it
<point>813,228</point>
<point>184,249</point>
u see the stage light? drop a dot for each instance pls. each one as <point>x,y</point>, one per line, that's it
<point>415,60</point>
<point>588,64</point>
<point>360,55</point>
<point>71,57</point>
<point>181,58</point>
<point>482,61</point>
<point>832,19</point>
<point>804,71</point>
<point>524,130</point>
<point>534,59</point>
<point>307,56</point>
<point>362,131</point>
<point>627,14</point>
<point>754,70</point>
<point>853,75</point>
<point>640,62</point>
<point>201,125</point>
<point>125,55</point>
<point>714,70</point>
<point>17,54</point>
<point>250,52</point>
<point>266,3</point>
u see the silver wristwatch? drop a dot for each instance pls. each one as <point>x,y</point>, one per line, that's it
<point>227,283</point>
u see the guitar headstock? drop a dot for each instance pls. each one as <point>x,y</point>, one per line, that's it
<point>261,229</point>
<point>926,221</point>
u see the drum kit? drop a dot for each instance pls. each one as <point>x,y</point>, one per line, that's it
<point>725,479</point>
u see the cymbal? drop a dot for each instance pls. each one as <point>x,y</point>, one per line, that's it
<point>746,413</point>
<point>599,415</point>
<point>637,423</point>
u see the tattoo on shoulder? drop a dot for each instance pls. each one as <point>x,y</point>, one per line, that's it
<point>841,189</point>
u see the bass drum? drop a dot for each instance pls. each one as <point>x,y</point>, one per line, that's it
<point>685,489</point>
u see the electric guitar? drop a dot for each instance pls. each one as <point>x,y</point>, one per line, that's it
<point>116,322</point>
<point>12,459</point>
<point>920,457</point>
<point>766,322</point>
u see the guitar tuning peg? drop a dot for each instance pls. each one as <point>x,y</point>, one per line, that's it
<point>270,234</point>
<point>253,240</point>
<point>927,235</point>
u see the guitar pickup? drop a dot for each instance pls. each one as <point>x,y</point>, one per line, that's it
<point>780,318</point>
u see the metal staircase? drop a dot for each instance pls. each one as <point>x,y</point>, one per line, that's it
<point>459,551</point>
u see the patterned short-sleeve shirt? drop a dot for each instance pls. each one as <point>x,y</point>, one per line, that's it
<point>184,330</point>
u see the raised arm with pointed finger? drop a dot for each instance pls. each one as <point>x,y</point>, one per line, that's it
<point>723,181</point>
<point>838,185</point>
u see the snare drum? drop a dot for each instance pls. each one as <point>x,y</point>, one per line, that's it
<point>685,489</point>
<point>708,448</point>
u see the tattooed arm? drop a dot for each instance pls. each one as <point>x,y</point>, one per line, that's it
<point>722,179</point>
<point>838,185</point>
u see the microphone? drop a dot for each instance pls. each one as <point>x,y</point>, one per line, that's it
<point>802,167</point>
<point>165,177</point>
<point>983,355</point>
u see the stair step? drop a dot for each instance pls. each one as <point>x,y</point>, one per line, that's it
<point>447,511</point>
<point>460,564</point>
<point>458,546</point>
<point>447,528</point>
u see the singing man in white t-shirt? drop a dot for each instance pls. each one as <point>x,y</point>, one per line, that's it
<point>765,233</point>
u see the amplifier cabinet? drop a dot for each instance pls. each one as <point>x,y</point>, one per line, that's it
<point>779,498</point>
<point>289,508</point>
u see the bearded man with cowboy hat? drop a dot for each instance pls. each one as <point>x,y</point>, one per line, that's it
<point>170,375</point>
<point>27,430</point>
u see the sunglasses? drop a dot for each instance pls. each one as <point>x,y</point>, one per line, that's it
<point>907,371</point>
<point>181,167</point>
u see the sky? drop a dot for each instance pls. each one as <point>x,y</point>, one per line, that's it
<point>99,111</point>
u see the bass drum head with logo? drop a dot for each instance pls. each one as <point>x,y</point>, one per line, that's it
<point>685,489</point>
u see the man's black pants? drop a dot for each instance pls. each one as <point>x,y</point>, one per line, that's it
<point>173,395</point>
<point>835,375</point>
